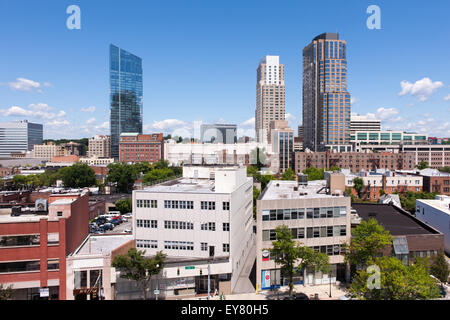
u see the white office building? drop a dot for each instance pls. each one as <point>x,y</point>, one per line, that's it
<point>203,218</point>
<point>436,213</point>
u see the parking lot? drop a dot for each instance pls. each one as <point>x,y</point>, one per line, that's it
<point>108,226</point>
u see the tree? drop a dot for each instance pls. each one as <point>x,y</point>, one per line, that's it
<point>439,267</point>
<point>368,241</point>
<point>156,175</point>
<point>422,165</point>
<point>134,266</point>
<point>265,179</point>
<point>5,292</point>
<point>334,168</point>
<point>79,175</point>
<point>19,181</point>
<point>289,174</point>
<point>123,175</point>
<point>396,282</point>
<point>314,173</point>
<point>287,252</point>
<point>124,205</point>
<point>256,193</point>
<point>161,164</point>
<point>359,185</point>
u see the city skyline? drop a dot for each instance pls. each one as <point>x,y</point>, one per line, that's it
<point>59,77</point>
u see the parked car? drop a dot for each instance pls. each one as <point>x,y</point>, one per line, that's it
<point>108,226</point>
<point>123,219</point>
<point>127,231</point>
<point>128,215</point>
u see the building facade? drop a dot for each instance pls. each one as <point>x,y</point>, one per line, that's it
<point>436,213</point>
<point>126,95</point>
<point>364,124</point>
<point>99,146</point>
<point>19,137</point>
<point>141,147</point>
<point>326,101</point>
<point>34,245</point>
<point>437,156</point>
<point>317,219</point>
<point>270,96</point>
<point>207,215</point>
<point>218,133</point>
<point>355,161</point>
<point>282,140</point>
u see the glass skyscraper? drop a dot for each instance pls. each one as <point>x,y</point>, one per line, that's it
<point>19,137</point>
<point>326,101</point>
<point>126,95</point>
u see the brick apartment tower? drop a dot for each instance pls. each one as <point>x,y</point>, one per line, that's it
<point>326,101</point>
<point>270,96</point>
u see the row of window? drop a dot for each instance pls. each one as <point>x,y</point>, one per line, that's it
<point>176,204</point>
<point>181,225</point>
<point>181,204</point>
<point>147,203</point>
<point>28,240</point>
<point>311,213</point>
<point>28,266</point>
<point>177,245</point>
<point>311,232</point>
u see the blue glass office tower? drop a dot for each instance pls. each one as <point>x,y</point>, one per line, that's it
<point>126,96</point>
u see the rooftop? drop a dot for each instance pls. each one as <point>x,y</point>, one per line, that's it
<point>103,244</point>
<point>442,203</point>
<point>280,189</point>
<point>397,221</point>
<point>185,185</point>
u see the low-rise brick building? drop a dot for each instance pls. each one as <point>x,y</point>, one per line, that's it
<point>134,147</point>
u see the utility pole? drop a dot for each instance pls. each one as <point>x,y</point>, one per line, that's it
<point>209,272</point>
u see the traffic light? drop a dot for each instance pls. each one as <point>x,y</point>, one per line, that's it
<point>201,272</point>
<point>178,271</point>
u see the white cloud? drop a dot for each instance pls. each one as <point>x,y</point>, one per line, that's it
<point>289,117</point>
<point>386,113</point>
<point>423,88</point>
<point>38,111</point>
<point>90,121</point>
<point>28,85</point>
<point>165,125</point>
<point>57,123</point>
<point>447,98</point>
<point>250,123</point>
<point>353,100</point>
<point>90,109</point>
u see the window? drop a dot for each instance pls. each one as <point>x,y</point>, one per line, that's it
<point>226,247</point>
<point>153,244</point>
<point>203,246</point>
<point>20,240</point>
<point>178,245</point>
<point>226,206</point>
<point>226,226</point>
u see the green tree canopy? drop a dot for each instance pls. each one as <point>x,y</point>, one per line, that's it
<point>79,175</point>
<point>288,252</point>
<point>359,185</point>
<point>135,266</point>
<point>123,175</point>
<point>289,174</point>
<point>368,240</point>
<point>422,165</point>
<point>396,281</point>
<point>156,175</point>
<point>124,205</point>
<point>439,267</point>
<point>314,173</point>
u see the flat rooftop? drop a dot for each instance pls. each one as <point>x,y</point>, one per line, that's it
<point>184,185</point>
<point>103,244</point>
<point>397,221</point>
<point>441,205</point>
<point>280,189</point>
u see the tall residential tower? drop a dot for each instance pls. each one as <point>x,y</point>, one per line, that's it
<point>126,95</point>
<point>270,96</point>
<point>326,101</point>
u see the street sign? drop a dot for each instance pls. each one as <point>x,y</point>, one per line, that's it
<point>156,291</point>
<point>44,292</point>
<point>189,267</point>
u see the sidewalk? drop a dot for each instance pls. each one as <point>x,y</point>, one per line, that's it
<point>321,290</point>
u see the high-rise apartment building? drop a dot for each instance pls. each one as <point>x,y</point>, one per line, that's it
<point>270,96</point>
<point>326,101</point>
<point>99,146</point>
<point>19,137</point>
<point>126,95</point>
<point>282,140</point>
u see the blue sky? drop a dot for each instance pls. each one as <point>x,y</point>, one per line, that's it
<point>200,60</point>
